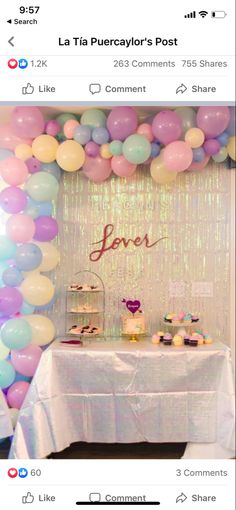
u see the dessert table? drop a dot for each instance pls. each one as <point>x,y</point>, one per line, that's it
<point>5,421</point>
<point>121,392</point>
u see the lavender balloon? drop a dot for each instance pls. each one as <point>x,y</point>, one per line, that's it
<point>46,228</point>
<point>211,147</point>
<point>166,126</point>
<point>92,149</point>
<point>122,122</point>
<point>213,120</point>
<point>10,300</point>
<point>33,165</point>
<point>13,200</point>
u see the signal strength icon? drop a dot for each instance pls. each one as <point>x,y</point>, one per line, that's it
<point>191,15</point>
<point>203,14</point>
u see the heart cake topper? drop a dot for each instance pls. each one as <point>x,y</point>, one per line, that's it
<point>132,306</point>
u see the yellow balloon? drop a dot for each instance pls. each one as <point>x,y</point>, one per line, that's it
<point>23,151</point>
<point>195,137</point>
<point>231,147</point>
<point>104,151</point>
<point>4,351</point>
<point>43,329</point>
<point>45,148</point>
<point>51,256</point>
<point>70,156</point>
<point>37,289</point>
<point>159,172</point>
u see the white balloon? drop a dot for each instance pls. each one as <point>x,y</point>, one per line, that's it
<point>51,256</point>
<point>43,329</point>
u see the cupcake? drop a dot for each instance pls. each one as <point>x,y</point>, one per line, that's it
<point>195,318</point>
<point>198,337</point>
<point>167,340</point>
<point>155,339</point>
<point>178,340</point>
<point>161,335</point>
<point>186,339</point>
<point>193,341</point>
<point>207,340</point>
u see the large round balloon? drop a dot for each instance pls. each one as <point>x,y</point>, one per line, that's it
<point>166,126</point>
<point>17,393</point>
<point>7,248</point>
<point>4,350</point>
<point>45,148</point>
<point>8,140</point>
<point>12,277</point>
<point>93,118</point>
<point>70,156</point>
<point>97,169</point>
<point>188,118</point>
<point>122,167</point>
<point>13,200</point>
<point>28,257</point>
<point>43,329</point>
<point>213,120</point>
<point>20,228</point>
<point>7,374</point>
<point>177,156</point>
<point>37,289</point>
<point>10,300</point>
<point>46,228</point>
<point>27,121</point>
<point>16,333</point>
<point>136,149</point>
<point>42,187</point>
<point>122,122</point>
<point>13,171</point>
<point>159,172</point>
<point>26,360</point>
<point>51,256</point>
<point>23,151</point>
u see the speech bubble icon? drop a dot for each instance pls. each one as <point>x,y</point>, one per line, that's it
<point>95,88</point>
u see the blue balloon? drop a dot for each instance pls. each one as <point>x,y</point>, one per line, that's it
<point>198,155</point>
<point>155,149</point>
<point>5,153</point>
<point>28,257</point>
<point>27,309</point>
<point>7,374</point>
<point>3,267</point>
<point>36,209</point>
<point>53,169</point>
<point>223,139</point>
<point>100,135</point>
<point>20,377</point>
<point>82,134</point>
<point>12,277</point>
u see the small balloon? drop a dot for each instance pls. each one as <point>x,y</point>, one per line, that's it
<point>122,167</point>
<point>17,393</point>
<point>7,374</point>
<point>199,165</point>
<point>187,116</point>
<point>28,257</point>
<point>33,165</point>
<point>26,360</point>
<point>13,171</point>
<point>53,127</point>
<point>145,130</point>
<point>69,128</point>
<point>221,155</point>
<point>198,155</point>
<point>211,147</point>
<point>177,156</point>
<point>100,135</point>
<point>10,300</point>
<point>159,172</point>
<point>97,169</point>
<point>45,148</point>
<point>7,248</point>
<point>122,122</point>
<point>136,149</point>
<point>91,149</point>
<point>93,118</point>
<point>52,169</point>
<point>115,147</point>
<point>195,137</point>
<point>82,134</point>
<point>105,151</point>
<point>37,289</point>
<point>26,309</point>
<point>12,277</point>
<point>23,151</point>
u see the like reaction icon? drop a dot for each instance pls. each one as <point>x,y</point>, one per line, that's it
<point>23,473</point>
<point>29,498</point>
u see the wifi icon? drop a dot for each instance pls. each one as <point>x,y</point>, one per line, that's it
<point>203,14</point>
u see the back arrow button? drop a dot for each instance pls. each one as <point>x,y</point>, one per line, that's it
<point>11,41</point>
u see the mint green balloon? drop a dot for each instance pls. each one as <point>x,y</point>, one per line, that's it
<point>115,147</point>
<point>7,248</point>
<point>42,187</point>
<point>16,334</point>
<point>93,118</point>
<point>63,117</point>
<point>7,374</point>
<point>136,149</point>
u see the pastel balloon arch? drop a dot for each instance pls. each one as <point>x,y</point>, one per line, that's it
<point>32,154</point>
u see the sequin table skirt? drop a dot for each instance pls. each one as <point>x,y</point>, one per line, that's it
<point>117,392</point>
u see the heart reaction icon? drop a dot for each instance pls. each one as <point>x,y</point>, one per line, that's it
<point>12,473</point>
<point>12,63</point>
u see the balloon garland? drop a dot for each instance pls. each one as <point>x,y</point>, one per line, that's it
<point>32,155</point>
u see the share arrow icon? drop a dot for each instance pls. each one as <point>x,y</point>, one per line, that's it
<point>181,498</point>
<point>181,89</point>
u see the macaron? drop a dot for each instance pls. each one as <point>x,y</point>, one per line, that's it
<point>155,339</point>
<point>178,340</point>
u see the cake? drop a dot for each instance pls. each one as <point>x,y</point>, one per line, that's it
<point>133,324</point>
<point>180,319</point>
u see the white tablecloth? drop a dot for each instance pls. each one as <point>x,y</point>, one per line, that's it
<point>5,421</point>
<point>113,392</point>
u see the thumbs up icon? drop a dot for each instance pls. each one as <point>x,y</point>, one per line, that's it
<point>29,89</point>
<point>29,498</point>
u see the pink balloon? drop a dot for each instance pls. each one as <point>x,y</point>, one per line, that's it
<point>69,128</point>
<point>177,156</point>
<point>25,361</point>
<point>13,200</point>
<point>8,140</point>
<point>146,130</point>
<point>17,393</point>
<point>122,122</point>
<point>20,228</point>
<point>213,120</point>
<point>167,126</point>
<point>97,169</point>
<point>53,128</point>
<point>10,300</point>
<point>13,171</point>
<point>122,167</point>
<point>27,121</point>
<point>199,166</point>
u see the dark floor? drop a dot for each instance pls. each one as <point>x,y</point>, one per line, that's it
<point>114,451</point>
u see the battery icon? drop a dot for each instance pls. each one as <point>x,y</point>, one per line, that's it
<point>218,14</point>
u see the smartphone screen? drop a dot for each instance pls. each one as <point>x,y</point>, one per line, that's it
<point>117,254</point>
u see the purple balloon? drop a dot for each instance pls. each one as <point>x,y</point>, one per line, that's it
<point>33,165</point>
<point>122,122</point>
<point>211,147</point>
<point>92,149</point>
<point>46,228</point>
<point>213,120</point>
<point>53,127</point>
<point>167,126</point>
<point>27,121</point>
<point>10,300</point>
<point>13,200</point>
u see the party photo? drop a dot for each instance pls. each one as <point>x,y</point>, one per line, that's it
<point>117,282</point>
